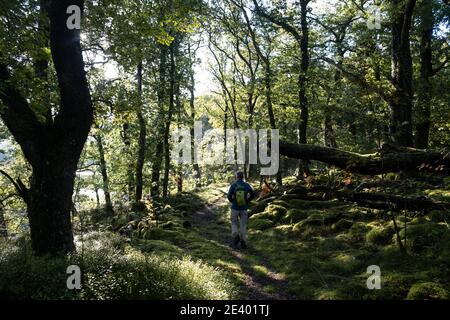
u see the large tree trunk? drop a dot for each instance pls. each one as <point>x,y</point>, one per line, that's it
<point>191,87</point>
<point>49,203</point>
<point>127,150</point>
<point>169,121</point>
<point>142,140</point>
<point>104,173</point>
<point>402,100</point>
<point>391,160</point>
<point>304,44</point>
<point>157,160</point>
<point>156,170</point>
<point>423,112</point>
<point>52,150</point>
<point>268,91</point>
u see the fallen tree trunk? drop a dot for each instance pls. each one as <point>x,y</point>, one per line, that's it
<point>393,202</point>
<point>392,159</point>
<point>375,200</point>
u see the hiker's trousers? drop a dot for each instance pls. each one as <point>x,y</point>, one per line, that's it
<point>241,215</point>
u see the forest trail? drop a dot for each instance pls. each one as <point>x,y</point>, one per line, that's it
<point>255,283</point>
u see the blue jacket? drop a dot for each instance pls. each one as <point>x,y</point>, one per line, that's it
<point>250,194</point>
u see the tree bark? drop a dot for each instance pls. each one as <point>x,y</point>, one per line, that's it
<point>142,139</point>
<point>191,87</point>
<point>402,100</point>
<point>52,151</point>
<point>423,112</point>
<point>402,159</point>
<point>104,172</point>
<point>168,122</point>
<point>127,150</point>
<point>157,161</point>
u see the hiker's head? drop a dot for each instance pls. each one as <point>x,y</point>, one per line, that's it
<point>240,175</point>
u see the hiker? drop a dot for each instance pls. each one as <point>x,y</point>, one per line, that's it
<point>239,194</point>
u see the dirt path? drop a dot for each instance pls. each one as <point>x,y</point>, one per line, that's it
<point>254,282</point>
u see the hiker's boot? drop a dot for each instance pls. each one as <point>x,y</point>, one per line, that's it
<point>236,240</point>
<point>243,244</point>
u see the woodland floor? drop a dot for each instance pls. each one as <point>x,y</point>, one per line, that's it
<point>304,248</point>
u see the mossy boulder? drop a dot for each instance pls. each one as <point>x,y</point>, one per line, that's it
<point>427,291</point>
<point>260,224</point>
<point>394,286</point>
<point>258,207</point>
<point>341,225</point>
<point>168,225</point>
<point>356,233</point>
<point>380,235</point>
<point>419,220</point>
<point>261,215</point>
<point>295,215</point>
<point>322,218</point>
<point>439,216</point>
<point>275,212</point>
<point>425,238</point>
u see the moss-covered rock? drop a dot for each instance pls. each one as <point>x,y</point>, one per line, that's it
<point>275,212</point>
<point>380,235</point>
<point>261,215</point>
<point>322,218</point>
<point>439,216</point>
<point>425,238</point>
<point>356,233</point>
<point>427,291</point>
<point>295,215</point>
<point>260,224</point>
<point>341,225</point>
<point>418,220</point>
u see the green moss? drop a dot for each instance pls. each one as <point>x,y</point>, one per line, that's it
<point>380,235</point>
<point>427,291</point>
<point>341,225</point>
<point>260,224</point>
<point>321,218</point>
<point>158,234</point>
<point>439,216</point>
<point>359,229</point>
<point>427,238</point>
<point>418,220</point>
<point>157,246</point>
<point>261,215</point>
<point>295,215</point>
<point>331,295</point>
<point>394,286</point>
<point>275,212</point>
